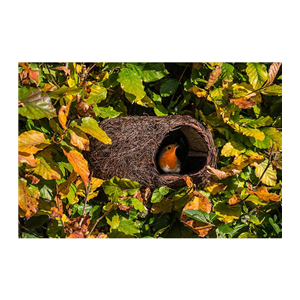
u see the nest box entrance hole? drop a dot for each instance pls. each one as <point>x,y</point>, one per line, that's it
<point>192,149</point>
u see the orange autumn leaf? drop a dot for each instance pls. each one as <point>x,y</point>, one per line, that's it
<point>236,198</point>
<point>79,139</point>
<point>63,114</point>
<point>27,159</point>
<point>198,91</point>
<point>213,77</point>
<point>188,180</point>
<point>79,164</point>
<point>33,74</point>
<point>34,180</point>
<point>28,198</point>
<point>263,193</point>
<point>75,235</point>
<point>198,202</point>
<point>63,188</point>
<point>245,102</point>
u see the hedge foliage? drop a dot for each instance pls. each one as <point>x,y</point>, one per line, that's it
<point>61,103</point>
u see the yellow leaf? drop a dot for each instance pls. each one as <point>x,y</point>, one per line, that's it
<point>47,169</point>
<point>32,141</point>
<point>269,177</point>
<point>27,159</point>
<point>198,91</point>
<point>232,148</point>
<point>215,188</point>
<point>229,213</point>
<point>63,114</point>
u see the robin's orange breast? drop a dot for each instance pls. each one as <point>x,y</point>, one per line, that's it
<point>169,159</point>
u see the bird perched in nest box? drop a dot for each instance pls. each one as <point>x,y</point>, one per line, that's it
<point>167,159</point>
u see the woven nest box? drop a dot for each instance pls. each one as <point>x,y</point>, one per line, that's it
<point>137,141</point>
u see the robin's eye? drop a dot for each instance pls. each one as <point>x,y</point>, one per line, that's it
<point>169,148</point>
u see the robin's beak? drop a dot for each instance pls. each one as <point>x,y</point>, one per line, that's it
<point>176,146</point>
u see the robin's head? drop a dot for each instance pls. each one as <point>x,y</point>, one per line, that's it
<point>170,149</point>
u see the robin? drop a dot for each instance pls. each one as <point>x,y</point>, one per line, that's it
<point>167,159</point>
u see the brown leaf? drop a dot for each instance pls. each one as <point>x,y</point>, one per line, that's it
<point>213,77</point>
<point>62,68</point>
<point>34,75</point>
<point>83,109</point>
<point>199,202</point>
<point>146,195</point>
<point>220,175</point>
<point>125,208</point>
<point>196,66</point>
<point>273,70</point>
<point>75,235</point>
<point>34,180</point>
<point>236,198</point>
<point>74,225</point>
<point>263,193</point>
<point>79,164</point>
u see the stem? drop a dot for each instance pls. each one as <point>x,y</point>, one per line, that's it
<point>180,80</point>
<point>263,173</point>
<point>52,79</point>
<point>99,219</point>
<point>87,191</point>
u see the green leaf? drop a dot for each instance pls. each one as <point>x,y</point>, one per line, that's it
<point>246,235</point>
<point>57,94</point>
<point>131,83</point>
<point>269,177</point>
<point>37,104</point>
<point>127,226</point>
<point>160,110</point>
<point>225,229</point>
<point>255,123</point>
<point>273,90</point>
<point>275,226</point>
<point>90,126</point>
<point>275,137</point>
<point>98,93</point>
<point>259,135</point>
<point>138,205</point>
<point>106,112</point>
<point>168,87</point>
<point>198,215</point>
<point>158,194</point>
<point>257,73</point>
<point>227,72</point>
<point>153,72</point>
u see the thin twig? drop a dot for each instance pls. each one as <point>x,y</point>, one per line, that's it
<point>99,219</point>
<point>263,173</point>
<point>52,79</point>
<point>87,191</point>
<point>180,80</point>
